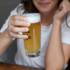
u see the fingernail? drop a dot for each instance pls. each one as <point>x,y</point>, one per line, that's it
<point>26,29</point>
<point>29,37</point>
<point>28,23</point>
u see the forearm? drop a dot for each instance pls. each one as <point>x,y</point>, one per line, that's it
<point>5,41</point>
<point>54,55</point>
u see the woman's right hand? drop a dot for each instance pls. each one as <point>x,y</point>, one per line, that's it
<point>17,25</point>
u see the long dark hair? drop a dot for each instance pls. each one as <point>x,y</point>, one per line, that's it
<point>29,6</point>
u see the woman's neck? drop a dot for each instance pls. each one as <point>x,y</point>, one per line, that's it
<point>46,19</point>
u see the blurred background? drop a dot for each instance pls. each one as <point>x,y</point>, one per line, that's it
<point>6,6</point>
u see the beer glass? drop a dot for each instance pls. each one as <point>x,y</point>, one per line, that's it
<point>32,44</point>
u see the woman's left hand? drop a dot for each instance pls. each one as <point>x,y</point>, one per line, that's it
<point>63,9</point>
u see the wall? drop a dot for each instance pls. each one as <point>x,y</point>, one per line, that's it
<point>5,7</point>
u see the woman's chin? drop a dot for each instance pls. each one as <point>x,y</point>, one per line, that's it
<point>44,11</point>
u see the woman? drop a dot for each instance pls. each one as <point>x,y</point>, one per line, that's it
<point>54,30</point>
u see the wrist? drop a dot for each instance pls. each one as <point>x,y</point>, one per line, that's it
<point>7,35</point>
<point>57,22</point>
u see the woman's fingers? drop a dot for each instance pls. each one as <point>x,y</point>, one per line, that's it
<point>18,25</point>
<point>19,21</point>
<point>18,29</point>
<point>63,9</point>
<point>17,35</point>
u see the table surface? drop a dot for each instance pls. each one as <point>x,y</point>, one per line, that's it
<point>15,67</point>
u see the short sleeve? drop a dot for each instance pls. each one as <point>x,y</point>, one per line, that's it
<point>5,25</point>
<point>66,31</point>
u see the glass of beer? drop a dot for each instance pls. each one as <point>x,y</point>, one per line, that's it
<point>32,44</point>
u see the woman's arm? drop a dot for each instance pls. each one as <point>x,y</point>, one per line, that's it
<point>54,55</point>
<point>14,27</point>
<point>5,41</point>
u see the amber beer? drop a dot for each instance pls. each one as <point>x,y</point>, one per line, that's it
<point>32,44</point>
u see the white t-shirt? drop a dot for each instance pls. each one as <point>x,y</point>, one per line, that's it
<point>22,59</point>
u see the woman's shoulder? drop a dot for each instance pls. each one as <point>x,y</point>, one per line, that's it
<point>18,9</point>
<point>66,30</point>
<point>13,12</point>
<point>68,19</point>
<point>66,22</point>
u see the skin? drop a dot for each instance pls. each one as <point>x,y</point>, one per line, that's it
<point>58,48</point>
<point>45,9</point>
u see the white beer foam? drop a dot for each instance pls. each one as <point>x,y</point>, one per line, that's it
<point>32,17</point>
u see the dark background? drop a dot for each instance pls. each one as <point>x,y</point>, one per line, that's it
<point>6,6</point>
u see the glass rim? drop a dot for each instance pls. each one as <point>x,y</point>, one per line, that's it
<point>32,17</point>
